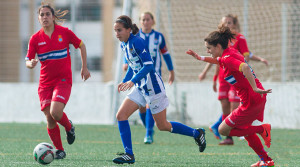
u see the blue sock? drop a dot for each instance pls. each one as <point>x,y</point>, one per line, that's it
<point>143,117</point>
<point>149,122</point>
<point>184,130</point>
<point>125,134</point>
<point>217,124</point>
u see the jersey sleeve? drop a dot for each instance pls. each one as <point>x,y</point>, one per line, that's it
<point>166,55</point>
<point>31,49</point>
<point>231,63</point>
<point>242,46</point>
<point>74,40</point>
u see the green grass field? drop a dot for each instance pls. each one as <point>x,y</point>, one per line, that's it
<point>96,145</point>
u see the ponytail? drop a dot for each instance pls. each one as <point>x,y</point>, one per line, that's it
<point>127,23</point>
<point>222,37</point>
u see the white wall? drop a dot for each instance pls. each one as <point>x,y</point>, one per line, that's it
<point>90,103</point>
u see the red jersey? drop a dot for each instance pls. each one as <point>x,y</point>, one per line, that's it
<point>231,61</point>
<point>54,54</point>
<point>240,44</point>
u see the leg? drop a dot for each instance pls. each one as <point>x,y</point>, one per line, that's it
<point>176,127</point>
<point>226,111</point>
<point>149,126</point>
<point>142,114</point>
<point>53,129</point>
<point>127,108</point>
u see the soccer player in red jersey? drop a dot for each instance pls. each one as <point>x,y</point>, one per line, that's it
<point>51,44</point>
<point>251,92</point>
<point>226,93</point>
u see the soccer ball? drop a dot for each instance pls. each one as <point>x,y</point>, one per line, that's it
<point>43,153</point>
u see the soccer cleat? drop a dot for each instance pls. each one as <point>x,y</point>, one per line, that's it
<point>227,141</point>
<point>263,164</point>
<point>124,158</point>
<point>148,140</point>
<point>216,133</point>
<point>268,164</point>
<point>200,140</point>
<point>60,154</point>
<point>266,134</point>
<point>71,134</point>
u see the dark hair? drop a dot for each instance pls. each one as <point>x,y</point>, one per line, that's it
<point>57,14</point>
<point>222,37</point>
<point>127,23</point>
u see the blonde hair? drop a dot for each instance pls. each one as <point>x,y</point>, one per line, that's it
<point>235,20</point>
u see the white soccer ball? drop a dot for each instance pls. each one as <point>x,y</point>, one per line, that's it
<point>43,153</point>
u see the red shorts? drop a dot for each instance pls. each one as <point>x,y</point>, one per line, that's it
<point>243,118</point>
<point>61,93</point>
<point>227,91</point>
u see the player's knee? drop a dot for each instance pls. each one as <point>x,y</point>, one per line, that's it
<point>162,126</point>
<point>121,117</point>
<point>223,131</point>
<point>56,115</point>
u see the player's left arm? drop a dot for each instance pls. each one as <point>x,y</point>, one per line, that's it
<point>85,74</point>
<point>167,57</point>
<point>245,69</point>
<point>257,58</point>
<point>243,47</point>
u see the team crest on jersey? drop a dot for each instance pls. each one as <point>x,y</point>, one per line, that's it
<point>155,41</point>
<point>132,51</point>
<point>60,39</point>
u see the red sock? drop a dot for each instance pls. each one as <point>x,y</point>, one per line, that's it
<point>224,116</point>
<point>54,135</point>
<point>64,121</point>
<point>255,143</point>
<point>245,132</point>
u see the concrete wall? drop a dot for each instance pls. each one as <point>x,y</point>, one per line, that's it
<point>90,103</point>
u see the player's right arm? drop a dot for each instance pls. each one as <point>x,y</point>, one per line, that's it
<point>30,57</point>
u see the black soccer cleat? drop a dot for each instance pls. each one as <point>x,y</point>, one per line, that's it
<point>60,154</point>
<point>71,134</point>
<point>124,158</point>
<point>200,140</point>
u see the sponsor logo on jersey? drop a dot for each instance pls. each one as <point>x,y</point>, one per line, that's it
<point>226,56</point>
<point>60,39</point>
<point>59,96</point>
<point>132,51</point>
<point>155,41</point>
<point>42,43</point>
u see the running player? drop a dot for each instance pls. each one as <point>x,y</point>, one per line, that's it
<point>148,88</point>
<point>157,47</point>
<point>251,92</point>
<point>51,44</point>
<point>226,93</point>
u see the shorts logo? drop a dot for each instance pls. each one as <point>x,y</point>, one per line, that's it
<point>60,39</point>
<point>59,96</point>
<point>231,121</point>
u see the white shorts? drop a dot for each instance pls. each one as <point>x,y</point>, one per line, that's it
<point>157,103</point>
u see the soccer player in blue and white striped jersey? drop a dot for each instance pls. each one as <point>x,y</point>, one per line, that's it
<point>148,88</point>
<point>157,49</point>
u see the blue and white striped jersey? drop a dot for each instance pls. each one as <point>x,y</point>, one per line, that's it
<point>141,65</point>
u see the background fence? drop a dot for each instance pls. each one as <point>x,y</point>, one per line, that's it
<point>271,27</point>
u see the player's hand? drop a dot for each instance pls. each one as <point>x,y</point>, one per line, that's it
<point>85,74</point>
<point>171,77</point>
<point>31,63</point>
<point>261,91</point>
<point>202,76</point>
<point>192,53</point>
<point>215,86</point>
<point>125,86</point>
<point>265,62</point>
